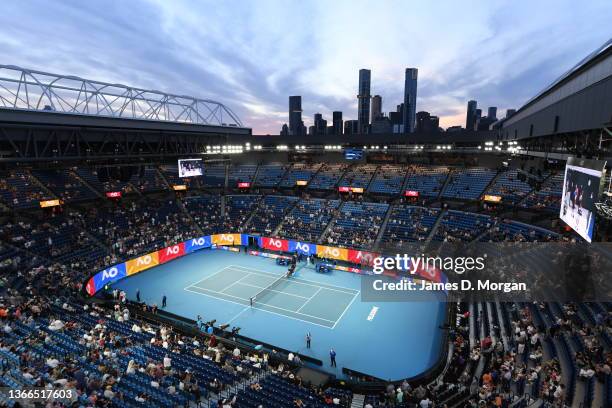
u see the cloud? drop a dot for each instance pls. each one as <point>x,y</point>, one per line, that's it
<point>253,55</point>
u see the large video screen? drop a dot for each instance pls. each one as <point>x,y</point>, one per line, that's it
<point>190,167</point>
<point>353,154</point>
<point>581,190</point>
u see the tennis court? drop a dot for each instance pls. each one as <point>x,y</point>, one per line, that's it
<point>295,298</point>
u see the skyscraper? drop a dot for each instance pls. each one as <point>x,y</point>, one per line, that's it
<point>410,96</point>
<point>492,112</point>
<point>337,122</point>
<point>320,125</point>
<point>376,107</point>
<point>363,100</point>
<point>470,118</point>
<point>295,115</point>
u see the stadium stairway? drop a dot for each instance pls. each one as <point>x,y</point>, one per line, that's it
<point>86,184</point>
<point>448,179</point>
<point>383,227</point>
<point>41,185</point>
<point>287,212</point>
<point>434,227</point>
<point>491,183</point>
<point>330,225</point>
<point>522,200</point>
<point>180,204</point>
<point>163,177</point>
<point>247,222</point>
<point>358,401</point>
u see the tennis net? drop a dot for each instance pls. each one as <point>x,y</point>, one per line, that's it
<point>268,288</point>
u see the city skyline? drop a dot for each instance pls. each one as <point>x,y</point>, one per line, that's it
<point>499,57</point>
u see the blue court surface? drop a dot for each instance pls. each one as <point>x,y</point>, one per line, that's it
<point>386,340</point>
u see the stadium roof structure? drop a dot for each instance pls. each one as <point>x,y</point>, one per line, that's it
<point>31,90</point>
<point>575,70</point>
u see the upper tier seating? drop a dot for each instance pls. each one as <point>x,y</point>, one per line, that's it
<point>357,225</point>
<point>299,172</point>
<point>462,226</point>
<point>389,179</point>
<point>19,190</point>
<point>308,219</point>
<point>409,224</point>
<point>468,184</point>
<point>548,197</point>
<point>270,175</point>
<point>509,187</point>
<point>65,184</point>
<point>328,176</point>
<point>428,181</point>
<point>270,213</point>
<point>359,176</point>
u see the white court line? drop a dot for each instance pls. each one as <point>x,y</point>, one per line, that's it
<point>230,285</point>
<point>345,309</point>
<point>312,297</point>
<point>300,280</point>
<point>275,307</point>
<point>263,310</point>
<point>271,290</point>
<point>208,277</point>
<point>235,317</point>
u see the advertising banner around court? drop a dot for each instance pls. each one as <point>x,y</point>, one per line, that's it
<point>303,248</point>
<point>90,286</point>
<point>328,252</point>
<point>226,239</point>
<point>274,244</point>
<point>361,257</point>
<point>196,244</point>
<point>142,262</point>
<point>171,252</point>
<point>109,275</point>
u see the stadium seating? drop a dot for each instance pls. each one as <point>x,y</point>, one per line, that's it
<point>270,213</point>
<point>468,184</point>
<point>213,176</point>
<point>241,173</point>
<point>299,172</point>
<point>509,187</point>
<point>149,180</point>
<point>20,190</point>
<point>328,176</point>
<point>358,176</point>
<point>270,175</point>
<point>427,180</point>
<point>409,224</point>
<point>389,179</point>
<point>462,226</point>
<point>206,212</point>
<point>548,197</point>
<point>65,184</point>
<point>356,225</point>
<point>308,219</point>
<point>170,173</point>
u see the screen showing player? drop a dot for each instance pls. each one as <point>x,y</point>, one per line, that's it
<point>581,190</point>
<point>190,167</point>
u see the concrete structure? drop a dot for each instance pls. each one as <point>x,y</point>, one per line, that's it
<point>578,105</point>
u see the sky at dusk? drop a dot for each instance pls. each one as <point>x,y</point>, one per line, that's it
<point>251,55</point>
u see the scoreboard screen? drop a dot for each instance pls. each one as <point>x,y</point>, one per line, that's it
<point>190,167</point>
<point>353,154</point>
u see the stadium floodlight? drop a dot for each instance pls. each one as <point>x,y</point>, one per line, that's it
<point>488,143</point>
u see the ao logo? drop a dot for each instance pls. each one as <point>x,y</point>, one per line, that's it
<point>173,250</point>
<point>227,238</point>
<point>303,247</point>
<point>144,260</point>
<point>110,273</point>
<point>275,243</point>
<point>334,252</point>
<point>198,241</point>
